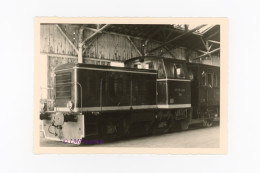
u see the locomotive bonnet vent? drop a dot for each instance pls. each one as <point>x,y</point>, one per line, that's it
<point>63,85</point>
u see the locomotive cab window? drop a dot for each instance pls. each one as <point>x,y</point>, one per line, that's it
<point>179,71</point>
<point>175,70</point>
<point>144,65</point>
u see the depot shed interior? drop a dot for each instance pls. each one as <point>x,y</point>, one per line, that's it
<point>109,44</point>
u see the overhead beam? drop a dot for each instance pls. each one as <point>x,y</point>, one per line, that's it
<point>152,32</point>
<point>213,41</point>
<point>181,31</point>
<point>204,44</point>
<point>95,33</point>
<point>201,51</point>
<point>210,47</point>
<point>209,28</point>
<point>75,57</point>
<point>144,30</point>
<point>80,54</point>
<point>207,53</point>
<point>123,35</point>
<point>81,43</point>
<point>146,47</point>
<point>59,55</point>
<point>169,51</point>
<point>67,38</point>
<point>177,38</point>
<point>212,35</point>
<point>132,43</point>
<point>168,36</point>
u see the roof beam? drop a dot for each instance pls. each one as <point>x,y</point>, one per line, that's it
<point>168,36</point>
<point>177,38</point>
<point>213,41</point>
<point>67,38</point>
<point>210,46</point>
<point>204,43</point>
<point>132,43</point>
<point>201,51</point>
<point>95,33</point>
<point>152,32</point>
<point>208,53</point>
<point>212,35</point>
<point>181,31</point>
<point>209,28</point>
<point>113,33</point>
<point>169,51</point>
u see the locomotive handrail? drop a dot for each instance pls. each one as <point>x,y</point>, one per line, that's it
<point>46,88</point>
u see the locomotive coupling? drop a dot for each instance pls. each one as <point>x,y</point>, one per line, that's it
<point>45,116</point>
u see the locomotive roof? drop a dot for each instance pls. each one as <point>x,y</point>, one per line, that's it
<point>72,65</point>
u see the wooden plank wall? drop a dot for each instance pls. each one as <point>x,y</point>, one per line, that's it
<point>103,46</point>
<point>109,47</point>
<point>53,42</point>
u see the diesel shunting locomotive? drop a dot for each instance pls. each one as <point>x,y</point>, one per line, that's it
<point>148,95</point>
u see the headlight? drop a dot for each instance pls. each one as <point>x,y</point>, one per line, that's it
<point>70,105</point>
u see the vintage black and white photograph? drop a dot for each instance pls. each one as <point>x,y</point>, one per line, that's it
<point>155,84</point>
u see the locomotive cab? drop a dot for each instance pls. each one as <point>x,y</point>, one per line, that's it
<point>172,86</point>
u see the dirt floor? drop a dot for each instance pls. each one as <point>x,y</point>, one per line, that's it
<point>195,137</point>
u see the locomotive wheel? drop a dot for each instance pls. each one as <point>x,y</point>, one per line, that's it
<point>207,122</point>
<point>173,125</point>
<point>184,124</point>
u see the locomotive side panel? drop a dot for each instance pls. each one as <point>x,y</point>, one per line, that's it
<point>161,92</point>
<point>179,93</point>
<point>143,89</point>
<point>116,89</point>
<point>111,88</point>
<point>90,81</point>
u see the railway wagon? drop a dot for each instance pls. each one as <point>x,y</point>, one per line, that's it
<point>205,92</point>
